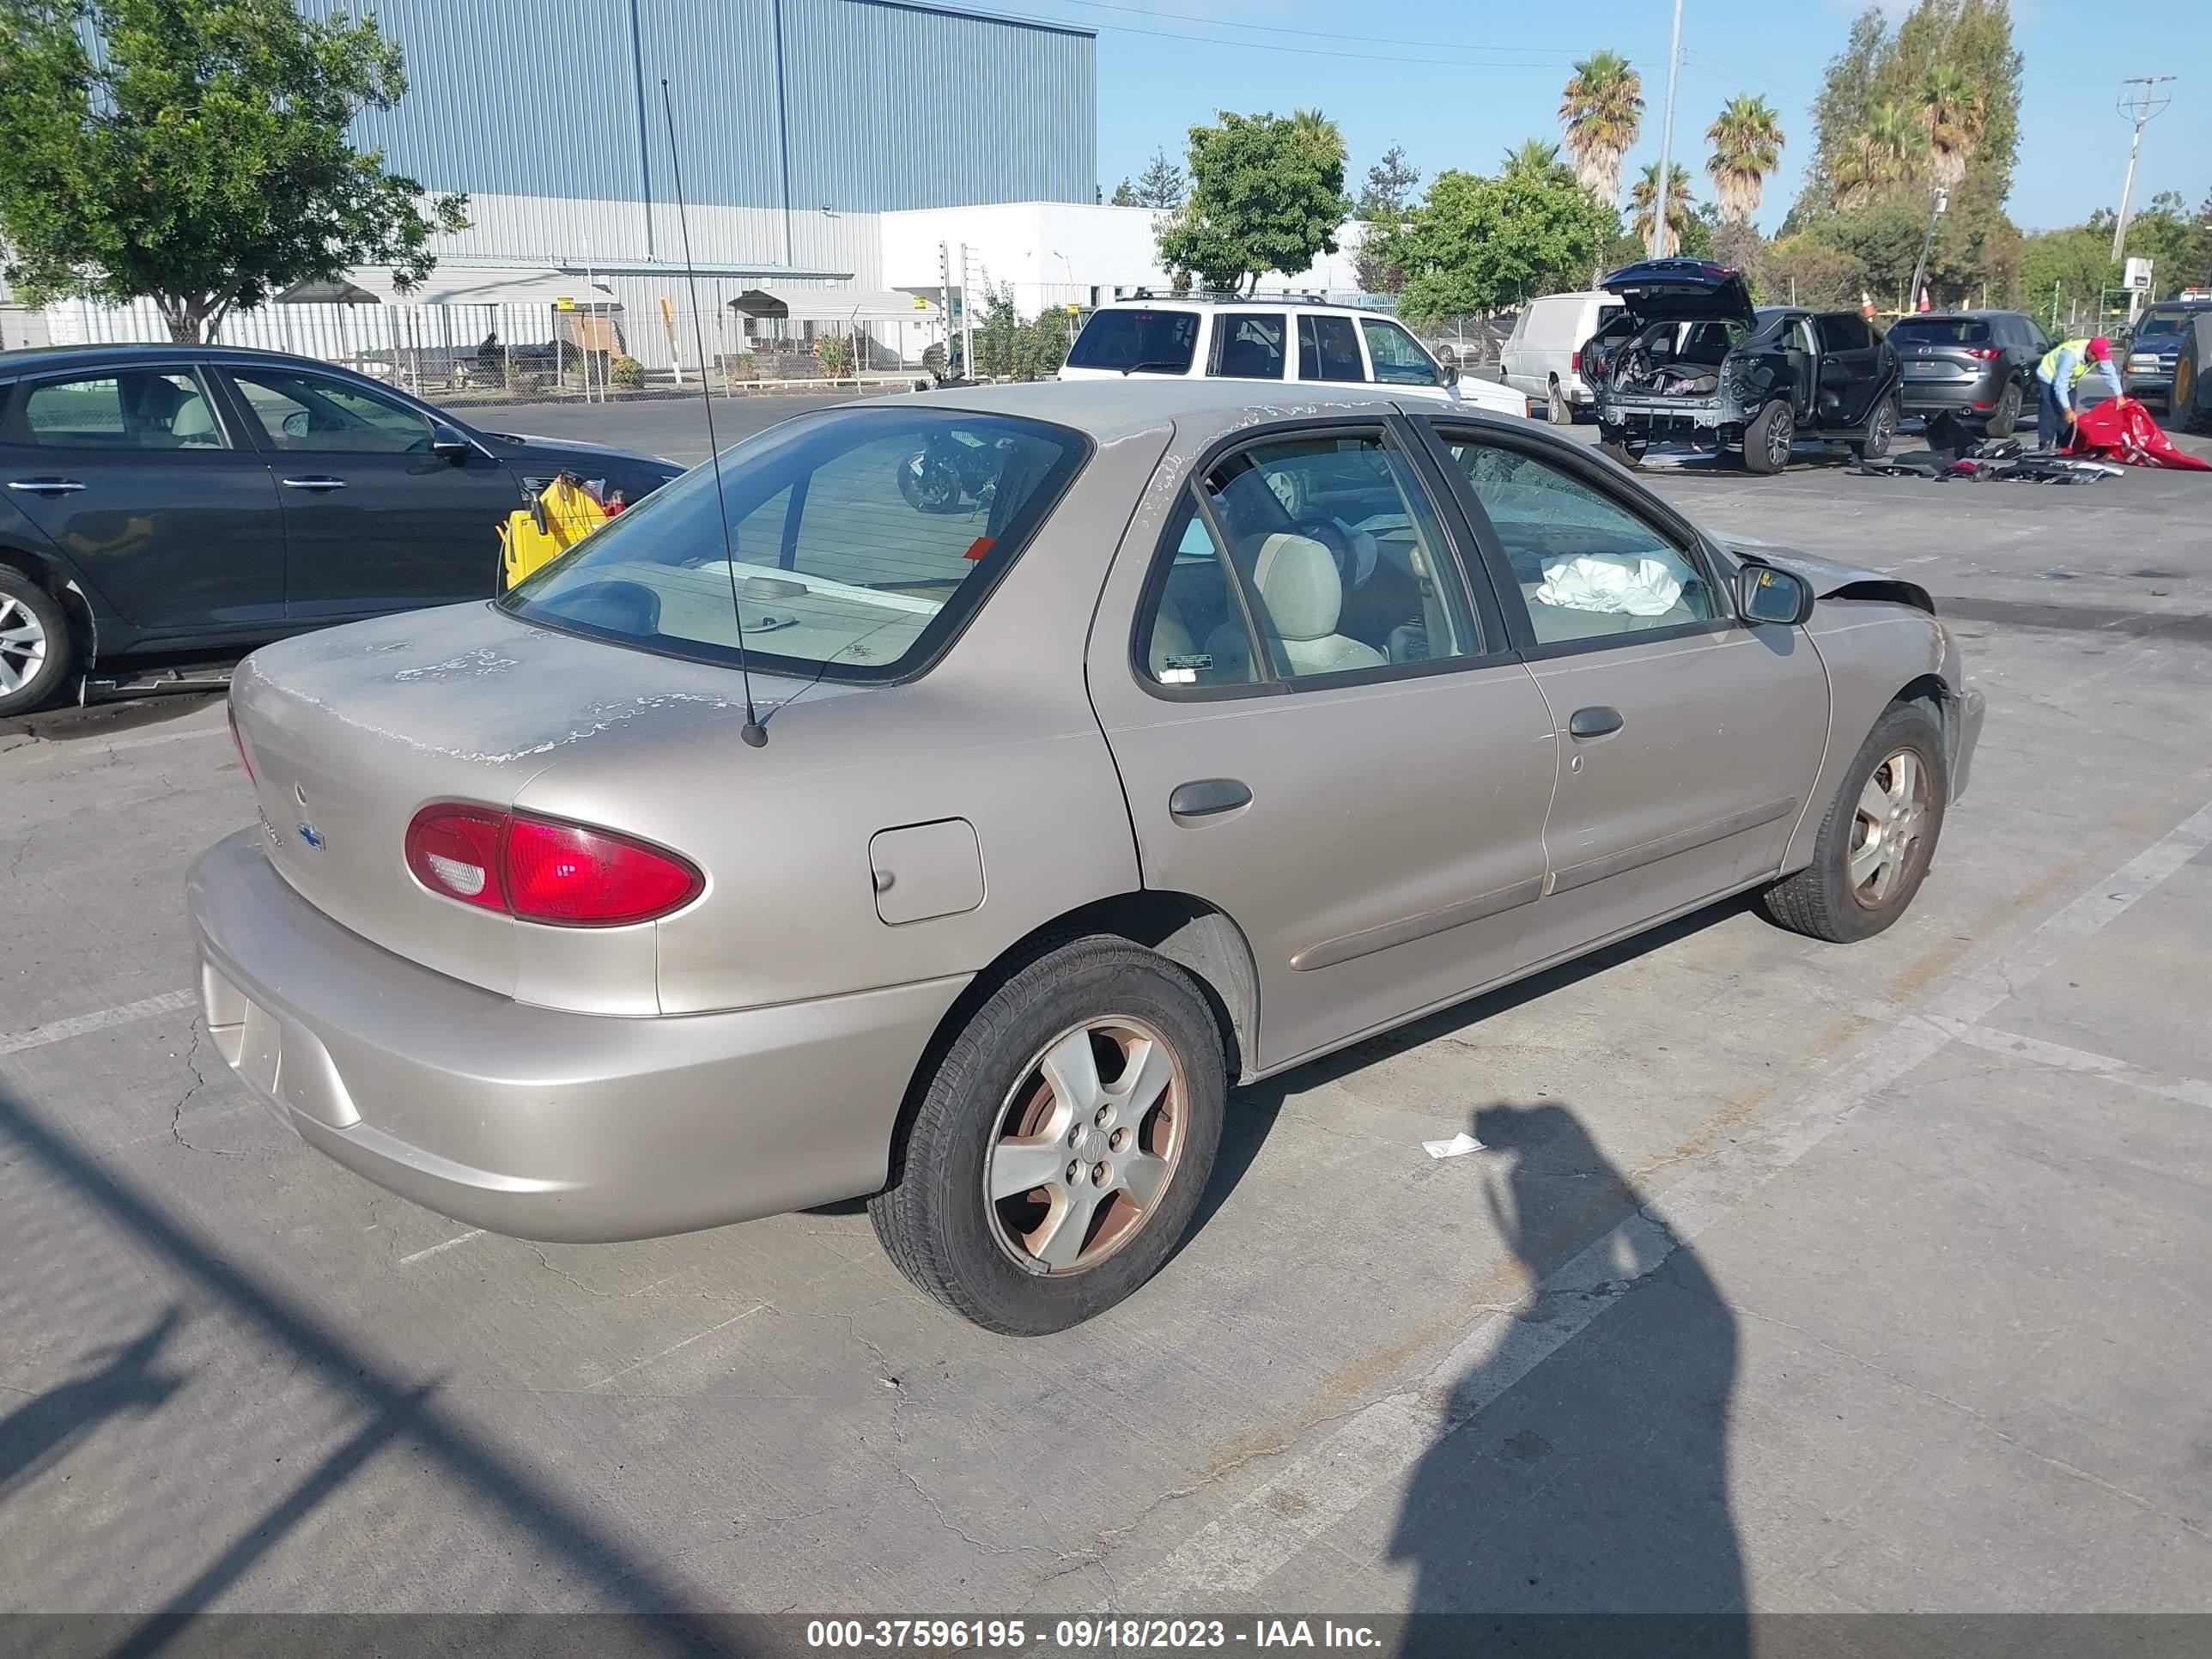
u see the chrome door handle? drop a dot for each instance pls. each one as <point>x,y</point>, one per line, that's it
<point>46,486</point>
<point>1207,796</point>
<point>1595,722</point>
<point>314,483</point>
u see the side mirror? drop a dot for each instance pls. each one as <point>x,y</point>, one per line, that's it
<point>1764,594</point>
<point>1451,373</point>
<point>451,442</point>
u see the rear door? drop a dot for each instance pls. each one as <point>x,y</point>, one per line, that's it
<point>1686,741</point>
<point>1851,369</point>
<point>1319,731</point>
<point>374,521</point>
<point>168,512</point>
<point>1249,346</point>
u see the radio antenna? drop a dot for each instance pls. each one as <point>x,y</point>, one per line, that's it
<point>754,733</point>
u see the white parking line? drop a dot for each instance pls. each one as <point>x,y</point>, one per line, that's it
<point>1232,1554</point>
<point>37,1036</point>
<point>2188,1090</point>
<point>477,1232</point>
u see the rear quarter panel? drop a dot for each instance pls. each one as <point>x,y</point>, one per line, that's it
<point>1000,733</point>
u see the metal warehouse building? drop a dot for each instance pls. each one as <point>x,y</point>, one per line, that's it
<point>800,124</point>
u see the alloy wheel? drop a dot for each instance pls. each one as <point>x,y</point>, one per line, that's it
<point>1888,827</point>
<point>1779,436</point>
<point>1085,1144</point>
<point>22,645</point>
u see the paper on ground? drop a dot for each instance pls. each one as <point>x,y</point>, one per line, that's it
<point>1458,1147</point>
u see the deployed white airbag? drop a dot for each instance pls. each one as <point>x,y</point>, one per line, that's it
<point>1636,587</point>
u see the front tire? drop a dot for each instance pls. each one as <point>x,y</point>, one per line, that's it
<point>1878,837</point>
<point>1767,440</point>
<point>1061,1146</point>
<point>1627,451</point>
<point>36,652</point>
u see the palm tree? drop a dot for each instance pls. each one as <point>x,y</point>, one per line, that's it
<point>1534,158</point>
<point>1951,117</point>
<point>1747,140</point>
<point>1643,197</point>
<point>1888,152</point>
<point>1603,110</point>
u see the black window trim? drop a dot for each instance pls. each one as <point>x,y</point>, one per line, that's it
<point>1671,527</point>
<point>14,412</point>
<point>1397,434</point>
<point>1006,557</point>
<point>1217,338</point>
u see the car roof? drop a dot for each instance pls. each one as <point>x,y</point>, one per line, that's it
<point>1241,302</point>
<point>1202,409</point>
<point>25,360</point>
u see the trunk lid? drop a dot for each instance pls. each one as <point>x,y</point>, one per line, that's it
<point>1686,290</point>
<point>352,730</point>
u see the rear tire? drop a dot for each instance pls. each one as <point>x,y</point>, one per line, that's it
<point>1881,429</point>
<point>37,655</point>
<point>1767,440</point>
<point>1878,837</point>
<point>2004,419</point>
<point>1097,1070</point>
<point>1560,411</point>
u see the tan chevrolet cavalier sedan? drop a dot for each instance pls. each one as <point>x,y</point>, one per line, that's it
<point>1112,744</point>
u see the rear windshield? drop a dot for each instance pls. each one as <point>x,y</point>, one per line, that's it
<point>859,542</point>
<point>1134,340</point>
<point>1940,331</point>
<point>2163,324</point>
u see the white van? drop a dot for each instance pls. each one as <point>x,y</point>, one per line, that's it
<point>1543,357</point>
<point>1270,337</point>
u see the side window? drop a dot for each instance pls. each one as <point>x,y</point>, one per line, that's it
<point>1399,359</point>
<point>1193,632</point>
<point>1328,349</point>
<point>308,413</point>
<point>1798,336</point>
<point>1844,331</point>
<point>1339,559</point>
<point>129,408</point>
<point>1583,565</point>
<point>1248,345</point>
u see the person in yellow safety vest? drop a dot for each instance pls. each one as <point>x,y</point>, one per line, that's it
<point>2061,369</point>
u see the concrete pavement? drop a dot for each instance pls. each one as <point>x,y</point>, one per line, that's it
<point>1795,1278</point>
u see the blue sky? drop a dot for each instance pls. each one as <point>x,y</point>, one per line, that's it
<point>1377,72</point>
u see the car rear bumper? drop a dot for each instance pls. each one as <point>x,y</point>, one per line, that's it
<point>1959,397</point>
<point>533,1121</point>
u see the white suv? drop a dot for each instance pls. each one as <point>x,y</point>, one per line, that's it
<point>1270,339</point>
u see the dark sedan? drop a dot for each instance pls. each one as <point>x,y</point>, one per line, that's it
<point>1978,365</point>
<point>164,498</point>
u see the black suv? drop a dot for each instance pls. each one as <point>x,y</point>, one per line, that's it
<point>1688,360</point>
<point>1978,365</point>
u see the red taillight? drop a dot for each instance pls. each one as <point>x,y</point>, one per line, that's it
<point>454,850</point>
<point>1985,353</point>
<point>1575,362</point>
<point>238,742</point>
<point>541,870</point>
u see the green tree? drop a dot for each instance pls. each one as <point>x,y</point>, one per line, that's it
<point>1747,140</point>
<point>1839,113</point>
<point>1534,159</point>
<point>1267,194</point>
<point>1124,194</point>
<point>1601,110</point>
<point>2062,268</point>
<point>200,157</point>
<point>1161,184</point>
<point>1801,271</point>
<point>1474,244</point>
<point>1643,201</point>
<point>1885,240</point>
<point>1951,116</point>
<point>1389,186</point>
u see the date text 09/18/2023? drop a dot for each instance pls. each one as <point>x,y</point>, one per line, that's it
<point>1086,1634</point>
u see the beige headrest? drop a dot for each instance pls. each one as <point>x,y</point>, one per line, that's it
<point>1297,581</point>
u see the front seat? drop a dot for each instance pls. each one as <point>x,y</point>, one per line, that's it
<point>1303,595</point>
<point>193,424</point>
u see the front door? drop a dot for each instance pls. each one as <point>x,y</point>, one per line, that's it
<point>1321,734</point>
<point>1681,734</point>
<point>376,521</point>
<point>167,513</point>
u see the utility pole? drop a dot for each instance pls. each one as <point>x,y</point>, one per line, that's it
<point>945,301</point>
<point>1927,247</point>
<point>967,322</point>
<point>1664,205</point>
<point>2140,100</point>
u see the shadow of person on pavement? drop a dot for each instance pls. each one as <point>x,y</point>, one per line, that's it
<point>123,1379</point>
<point>1583,1467</point>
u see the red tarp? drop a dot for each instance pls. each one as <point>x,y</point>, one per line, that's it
<point>2125,432</point>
